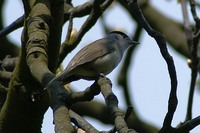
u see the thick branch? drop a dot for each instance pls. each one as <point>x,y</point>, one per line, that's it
<point>38,31</point>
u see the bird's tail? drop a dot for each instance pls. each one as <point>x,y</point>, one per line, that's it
<point>57,78</point>
<point>63,78</point>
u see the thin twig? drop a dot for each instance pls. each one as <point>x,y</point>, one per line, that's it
<point>194,58</point>
<point>70,26</point>
<point>82,123</point>
<point>187,27</point>
<point>160,39</point>
<point>3,89</point>
<point>86,95</point>
<point>188,125</point>
<point>15,25</point>
<point>188,33</point>
<point>193,11</point>
<point>97,11</point>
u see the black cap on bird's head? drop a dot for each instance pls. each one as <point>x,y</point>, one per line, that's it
<point>130,41</point>
<point>119,32</point>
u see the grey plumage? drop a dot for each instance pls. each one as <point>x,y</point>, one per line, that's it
<point>101,56</point>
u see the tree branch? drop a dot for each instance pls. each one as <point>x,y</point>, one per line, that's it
<point>112,105</point>
<point>38,31</point>
<point>97,11</point>
<point>160,39</point>
<point>83,124</point>
<point>13,26</point>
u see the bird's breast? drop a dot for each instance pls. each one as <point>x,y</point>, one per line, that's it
<point>107,63</point>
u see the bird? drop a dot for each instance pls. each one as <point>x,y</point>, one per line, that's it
<point>98,58</point>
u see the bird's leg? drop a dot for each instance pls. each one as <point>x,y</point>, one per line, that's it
<point>104,76</point>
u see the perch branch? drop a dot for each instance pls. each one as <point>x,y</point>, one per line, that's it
<point>112,105</point>
<point>86,95</point>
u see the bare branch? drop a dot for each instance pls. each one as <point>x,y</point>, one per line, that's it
<point>97,11</point>
<point>194,51</point>
<point>189,36</point>
<point>5,76</point>
<point>9,63</point>
<point>80,122</point>
<point>112,105</point>
<point>36,36</point>
<point>188,125</point>
<point>82,96</point>
<point>15,25</point>
<point>160,39</point>
<point>187,27</point>
<point>78,11</point>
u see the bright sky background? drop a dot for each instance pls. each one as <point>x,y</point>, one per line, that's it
<point>148,75</point>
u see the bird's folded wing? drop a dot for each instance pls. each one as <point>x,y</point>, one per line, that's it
<point>87,54</point>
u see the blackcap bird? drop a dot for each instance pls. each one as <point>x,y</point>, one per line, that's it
<point>99,57</point>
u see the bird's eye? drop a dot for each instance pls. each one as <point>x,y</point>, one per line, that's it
<point>124,36</point>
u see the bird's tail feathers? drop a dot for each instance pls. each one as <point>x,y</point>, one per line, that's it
<point>57,78</point>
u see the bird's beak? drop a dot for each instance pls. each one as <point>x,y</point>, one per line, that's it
<point>134,43</point>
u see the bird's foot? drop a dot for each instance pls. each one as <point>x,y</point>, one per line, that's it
<point>104,76</point>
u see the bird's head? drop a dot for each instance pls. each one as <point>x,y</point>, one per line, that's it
<point>123,40</point>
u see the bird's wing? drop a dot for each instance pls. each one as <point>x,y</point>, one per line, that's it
<point>104,46</point>
<point>99,48</point>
